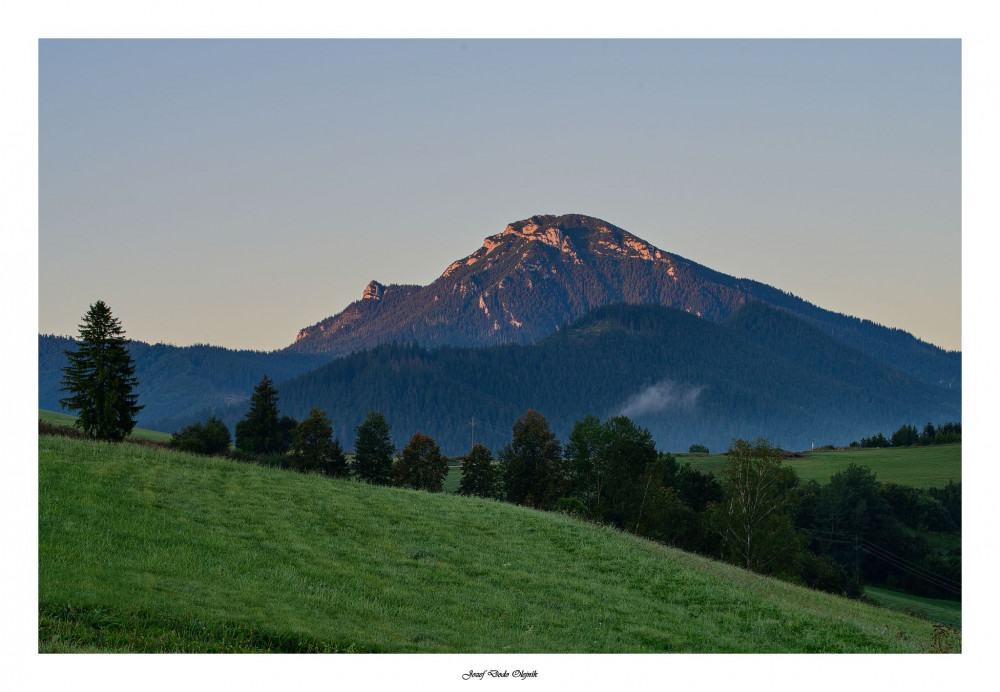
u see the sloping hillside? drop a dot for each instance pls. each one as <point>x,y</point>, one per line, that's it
<point>146,550</point>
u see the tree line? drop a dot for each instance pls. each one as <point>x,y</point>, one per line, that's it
<point>907,436</point>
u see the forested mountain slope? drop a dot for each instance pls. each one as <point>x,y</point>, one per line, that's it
<point>760,372</point>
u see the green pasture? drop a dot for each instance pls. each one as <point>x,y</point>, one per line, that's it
<point>57,418</point>
<point>144,549</point>
<point>934,609</point>
<point>920,467</point>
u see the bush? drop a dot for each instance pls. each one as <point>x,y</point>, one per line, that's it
<point>570,505</point>
<point>46,428</point>
<point>826,575</point>
<point>210,438</point>
<point>238,454</point>
<point>278,461</point>
<point>144,442</point>
<point>698,449</point>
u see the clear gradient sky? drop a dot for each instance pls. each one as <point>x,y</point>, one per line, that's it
<point>233,192</point>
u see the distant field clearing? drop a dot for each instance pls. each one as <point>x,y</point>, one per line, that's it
<point>920,467</point>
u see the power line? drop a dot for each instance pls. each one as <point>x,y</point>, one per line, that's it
<point>832,540</point>
<point>930,580</point>
<point>888,557</point>
<point>908,562</point>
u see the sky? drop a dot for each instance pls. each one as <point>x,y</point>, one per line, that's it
<point>232,192</point>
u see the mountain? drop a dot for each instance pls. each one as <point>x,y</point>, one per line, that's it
<point>761,371</point>
<point>177,381</point>
<point>548,298</point>
<point>542,273</point>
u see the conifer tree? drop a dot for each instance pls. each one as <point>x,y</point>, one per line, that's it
<point>479,475</point>
<point>100,378</point>
<point>313,446</point>
<point>260,431</point>
<point>373,449</point>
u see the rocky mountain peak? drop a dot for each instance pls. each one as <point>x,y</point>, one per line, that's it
<point>575,235</point>
<point>373,291</point>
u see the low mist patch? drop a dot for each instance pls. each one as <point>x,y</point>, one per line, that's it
<point>662,396</point>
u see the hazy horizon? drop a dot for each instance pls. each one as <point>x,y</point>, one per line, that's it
<point>234,192</point>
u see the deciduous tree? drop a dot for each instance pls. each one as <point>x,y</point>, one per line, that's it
<point>583,452</point>
<point>754,517</point>
<point>531,466</point>
<point>420,465</point>
<point>628,449</point>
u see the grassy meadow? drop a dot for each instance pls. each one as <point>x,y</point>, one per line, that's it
<point>936,610</point>
<point>65,419</point>
<point>919,467</point>
<point>144,549</point>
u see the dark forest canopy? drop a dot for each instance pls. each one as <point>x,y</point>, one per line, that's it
<point>760,372</point>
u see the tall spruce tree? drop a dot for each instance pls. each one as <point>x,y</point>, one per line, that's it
<point>373,449</point>
<point>261,431</point>
<point>100,378</point>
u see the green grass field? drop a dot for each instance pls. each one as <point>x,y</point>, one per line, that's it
<point>920,467</point>
<point>936,610</point>
<point>143,549</point>
<point>452,480</point>
<point>66,419</point>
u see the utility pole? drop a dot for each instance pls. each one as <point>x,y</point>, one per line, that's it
<point>473,424</point>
